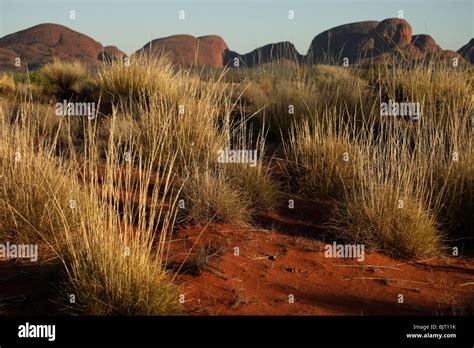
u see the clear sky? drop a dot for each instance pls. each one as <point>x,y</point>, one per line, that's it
<point>244,24</point>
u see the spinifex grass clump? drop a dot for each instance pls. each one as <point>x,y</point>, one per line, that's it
<point>445,132</point>
<point>421,165</point>
<point>256,183</point>
<point>38,193</point>
<point>451,150</point>
<point>319,158</point>
<point>44,125</point>
<point>200,125</point>
<point>253,178</point>
<point>210,198</point>
<point>116,261</point>
<point>283,94</point>
<point>340,88</point>
<point>150,92</point>
<point>442,90</point>
<point>231,191</point>
<point>64,79</point>
<point>7,84</point>
<point>389,205</point>
<point>385,220</point>
<point>124,82</point>
<point>458,207</point>
<point>109,233</point>
<point>383,184</point>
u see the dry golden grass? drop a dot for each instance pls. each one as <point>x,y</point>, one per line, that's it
<point>208,197</point>
<point>319,158</point>
<point>283,94</point>
<point>113,264</point>
<point>7,84</point>
<point>443,91</point>
<point>116,261</point>
<point>373,217</point>
<point>390,204</point>
<point>125,81</point>
<point>35,187</point>
<point>254,180</point>
<point>394,161</point>
<point>150,93</point>
<point>383,188</point>
<point>46,126</point>
<point>200,125</point>
<point>64,79</point>
<point>257,184</point>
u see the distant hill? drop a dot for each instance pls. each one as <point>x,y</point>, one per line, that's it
<point>187,50</point>
<point>467,51</point>
<point>362,42</point>
<point>373,41</point>
<point>38,45</point>
<point>281,51</point>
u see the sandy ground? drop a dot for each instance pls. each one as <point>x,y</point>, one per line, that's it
<point>279,268</point>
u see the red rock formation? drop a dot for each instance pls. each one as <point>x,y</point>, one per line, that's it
<point>352,40</point>
<point>281,51</point>
<point>372,42</point>
<point>7,58</point>
<point>39,44</point>
<point>187,50</point>
<point>407,53</point>
<point>392,33</point>
<point>467,51</point>
<point>425,43</point>
<point>368,41</point>
<point>110,54</point>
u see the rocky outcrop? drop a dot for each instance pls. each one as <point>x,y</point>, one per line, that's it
<point>467,51</point>
<point>275,52</point>
<point>361,42</point>
<point>38,45</point>
<point>110,54</point>
<point>377,42</point>
<point>391,34</point>
<point>425,43</point>
<point>352,41</point>
<point>187,50</point>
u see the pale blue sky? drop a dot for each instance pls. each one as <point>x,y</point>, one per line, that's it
<point>244,24</point>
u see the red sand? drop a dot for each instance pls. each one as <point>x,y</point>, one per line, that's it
<point>272,265</point>
<point>252,284</point>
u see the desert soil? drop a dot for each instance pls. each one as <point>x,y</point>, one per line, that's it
<point>279,268</point>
